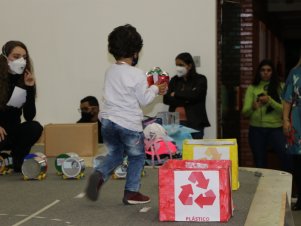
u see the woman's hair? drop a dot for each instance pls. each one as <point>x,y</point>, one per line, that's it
<point>187,59</point>
<point>274,85</point>
<point>4,70</point>
<point>124,41</point>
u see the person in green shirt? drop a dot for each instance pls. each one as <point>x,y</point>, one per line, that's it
<point>263,106</point>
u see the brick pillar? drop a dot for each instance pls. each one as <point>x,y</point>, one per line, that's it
<point>248,60</point>
<point>248,56</point>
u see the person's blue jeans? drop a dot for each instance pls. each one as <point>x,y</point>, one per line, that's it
<point>260,139</point>
<point>120,141</point>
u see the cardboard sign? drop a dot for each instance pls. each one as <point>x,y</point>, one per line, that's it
<point>214,149</point>
<point>80,138</point>
<point>195,190</point>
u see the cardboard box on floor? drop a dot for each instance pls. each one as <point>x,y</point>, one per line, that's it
<point>80,138</point>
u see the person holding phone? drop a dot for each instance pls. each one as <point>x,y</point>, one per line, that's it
<point>263,106</point>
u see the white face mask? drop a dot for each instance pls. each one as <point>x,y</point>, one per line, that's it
<point>17,66</point>
<point>181,71</point>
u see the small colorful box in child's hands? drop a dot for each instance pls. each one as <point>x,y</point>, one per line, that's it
<point>157,75</point>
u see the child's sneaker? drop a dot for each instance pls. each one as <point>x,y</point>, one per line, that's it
<point>94,184</point>
<point>133,198</point>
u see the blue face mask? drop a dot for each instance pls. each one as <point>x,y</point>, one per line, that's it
<point>134,61</point>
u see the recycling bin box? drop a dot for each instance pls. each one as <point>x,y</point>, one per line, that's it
<point>195,190</point>
<point>214,149</point>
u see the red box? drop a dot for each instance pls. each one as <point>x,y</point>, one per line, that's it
<point>150,80</point>
<point>157,76</point>
<point>195,190</point>
<point>163,78</point>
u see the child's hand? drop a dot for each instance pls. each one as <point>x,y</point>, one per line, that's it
<point>162,88</point>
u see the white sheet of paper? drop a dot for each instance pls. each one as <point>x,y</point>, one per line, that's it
<point>18,97</point>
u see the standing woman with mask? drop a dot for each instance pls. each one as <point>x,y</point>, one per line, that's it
<point>187,95</point>
<point>17,97</point>
<point>263,107</point>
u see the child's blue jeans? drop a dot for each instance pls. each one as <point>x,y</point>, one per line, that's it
<point>120,141</point>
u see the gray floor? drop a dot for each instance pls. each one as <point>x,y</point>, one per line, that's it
<point>55,202</point>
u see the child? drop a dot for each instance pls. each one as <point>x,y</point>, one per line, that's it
<point>125,90</point>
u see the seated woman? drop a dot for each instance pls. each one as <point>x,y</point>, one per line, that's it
<point>17,98</point>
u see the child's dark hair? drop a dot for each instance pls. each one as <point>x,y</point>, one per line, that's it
<point>124,41</point>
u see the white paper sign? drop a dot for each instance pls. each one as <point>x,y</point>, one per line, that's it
<point>197,196</point>
<point>18,98</point>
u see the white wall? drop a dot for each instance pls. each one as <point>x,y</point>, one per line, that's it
<point>67,40</point>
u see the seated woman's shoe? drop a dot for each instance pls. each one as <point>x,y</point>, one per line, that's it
<point>296,206</point>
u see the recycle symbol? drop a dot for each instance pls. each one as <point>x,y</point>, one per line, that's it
<point>186,195</point>
<point>212,154</point>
